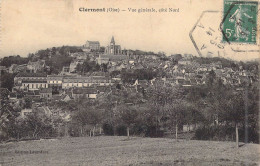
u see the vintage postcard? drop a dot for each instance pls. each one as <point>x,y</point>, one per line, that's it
<point>129,82</point>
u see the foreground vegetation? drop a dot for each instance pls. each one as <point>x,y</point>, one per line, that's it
<point>217,111</point>
<point>114,150</point>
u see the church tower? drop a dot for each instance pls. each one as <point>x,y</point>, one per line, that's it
<point>112,46</point>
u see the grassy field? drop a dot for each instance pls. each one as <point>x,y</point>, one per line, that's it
<point>113,150</point>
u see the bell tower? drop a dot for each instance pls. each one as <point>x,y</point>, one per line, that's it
<point>112,46</point>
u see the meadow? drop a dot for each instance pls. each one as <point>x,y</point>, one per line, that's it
<point>119,150</point>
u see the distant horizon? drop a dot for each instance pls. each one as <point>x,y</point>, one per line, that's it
<point>247,60</point>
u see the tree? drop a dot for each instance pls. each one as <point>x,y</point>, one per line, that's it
<point>8,61</point>
<point>28,102</point>
<point>87,115</point>
<point>81,119</point>
<point>233,112</point>
<point>162,97</point>
<point>103,67</point>
<point>176,112</point>
<point>7,119</point>
<point>7,81</point>
<point>38,125</point>
<point>211,78</point>
<point>128,116</point>
<point>94,118</point>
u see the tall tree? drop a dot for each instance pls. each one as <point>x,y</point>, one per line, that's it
<point>233,112</point>
<point>128,116</point>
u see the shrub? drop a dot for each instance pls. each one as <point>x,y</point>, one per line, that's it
<point>121,130</point>
<point>108,129</point>
<point>225,133</point>
<point>153,132</point>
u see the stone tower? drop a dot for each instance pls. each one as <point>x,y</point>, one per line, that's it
<point>112,46</point>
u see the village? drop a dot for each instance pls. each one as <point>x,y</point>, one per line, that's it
<point>92,73</point>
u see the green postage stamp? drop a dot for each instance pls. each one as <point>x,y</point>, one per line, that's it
<point>240,21</point>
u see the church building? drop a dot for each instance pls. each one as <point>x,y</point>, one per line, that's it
<point>112,48</point>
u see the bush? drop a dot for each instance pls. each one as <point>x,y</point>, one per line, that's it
<point>203,133</point>
<point>153,132</point>
<point>225,133</point>
<point>121,130</point>
<point>74,130</point>
<point>139,129</point>
<point>108,129</point>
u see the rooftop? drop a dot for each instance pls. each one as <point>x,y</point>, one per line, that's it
<point>113,57</point>
<point>94,42</point>
<point>46,90</point>
<point>24,74</point>
<point>84,91</point>
<point>34,81</point>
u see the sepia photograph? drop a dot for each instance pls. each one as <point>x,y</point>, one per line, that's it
<point>129,82</point>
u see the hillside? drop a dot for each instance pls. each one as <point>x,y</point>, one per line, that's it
<point>112,150</point>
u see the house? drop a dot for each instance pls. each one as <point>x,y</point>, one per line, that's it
<point>36,66</point>
<point>55,80</point>
<point>61,114</point>
<point>184,62</point>
<point>187,128</point>
<point>25,112</point>
<point>79,55</point>
<point>74,64</point>
<point>186,83</point>
<point>137,66</point>
<point>92,45</point>
<point>14,68</point>
<point>30,81</point>
<point>101,89</point>
<point>187,56</point>
<point>141,83</point>
<point>86,81</point>
<point>33,94</point>
<point>113,58</point>
<point>65,70</point>
<point>29,76</point>
<point>46,93</point>
<point>12,96</point>
<point>32,85</point>
<point>43,110</point>
<point>90,93</point>
<point>3,69</point>
<point>65,97</point>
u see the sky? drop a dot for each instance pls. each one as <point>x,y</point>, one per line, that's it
<point>30,25</point>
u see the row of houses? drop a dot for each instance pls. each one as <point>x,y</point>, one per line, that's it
<point>36,81</point>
